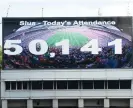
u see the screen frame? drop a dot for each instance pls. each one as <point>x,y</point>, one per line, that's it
<point>63,18</point>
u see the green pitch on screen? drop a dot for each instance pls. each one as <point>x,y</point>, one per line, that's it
<point>75,39</point>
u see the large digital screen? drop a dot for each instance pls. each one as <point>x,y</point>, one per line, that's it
<point>67,43</point>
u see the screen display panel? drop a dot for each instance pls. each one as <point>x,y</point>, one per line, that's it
<point>67,43</point>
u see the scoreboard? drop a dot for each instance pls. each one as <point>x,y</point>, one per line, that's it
<point>67,43</point>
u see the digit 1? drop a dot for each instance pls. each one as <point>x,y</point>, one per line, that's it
<point>65,46</point>
<point>118,45</point>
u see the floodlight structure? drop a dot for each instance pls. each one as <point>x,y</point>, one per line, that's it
<point>42,12</point>
<point>99,12</point>
<point>7,11</point>
<point>128,8</point>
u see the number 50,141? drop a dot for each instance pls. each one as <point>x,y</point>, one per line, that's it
<point>91,46</point>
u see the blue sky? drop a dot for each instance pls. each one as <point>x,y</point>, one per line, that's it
<point>64,8</point>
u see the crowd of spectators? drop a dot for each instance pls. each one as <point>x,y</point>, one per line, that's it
<point>76,59</point>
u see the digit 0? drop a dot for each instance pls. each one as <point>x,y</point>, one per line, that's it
<point>43,47</point>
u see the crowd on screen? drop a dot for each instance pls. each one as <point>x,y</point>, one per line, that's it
<point>76,59</point>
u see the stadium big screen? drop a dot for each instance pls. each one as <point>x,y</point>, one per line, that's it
<point>67,43</point>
